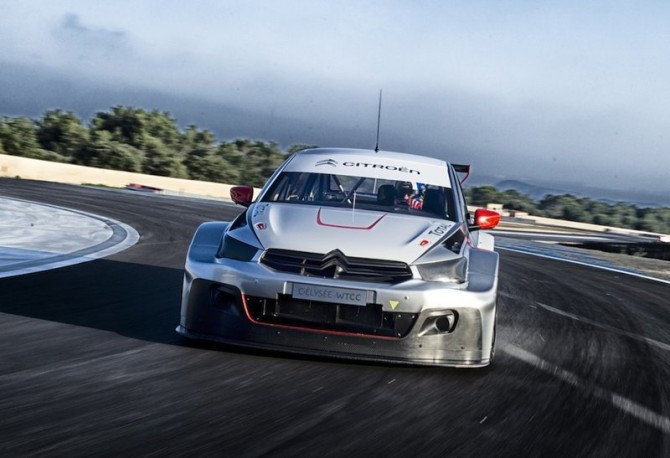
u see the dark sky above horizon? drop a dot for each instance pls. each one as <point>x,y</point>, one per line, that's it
<point>567,91</point>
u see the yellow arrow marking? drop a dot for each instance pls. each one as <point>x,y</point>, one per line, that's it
<point>394,304</point>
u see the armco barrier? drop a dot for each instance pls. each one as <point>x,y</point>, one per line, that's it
<point>562,224</point>
<point>34,169</point>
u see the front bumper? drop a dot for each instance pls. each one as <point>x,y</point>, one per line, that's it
<point>412,327</point>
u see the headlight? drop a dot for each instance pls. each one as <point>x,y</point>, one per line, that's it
<point>232,248</point>
<point>451,270</point>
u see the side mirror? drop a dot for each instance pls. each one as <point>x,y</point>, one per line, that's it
<point>485,219</point>
<point>242,195</point>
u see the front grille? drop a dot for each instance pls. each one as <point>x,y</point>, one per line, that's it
<point>368,320</point>
<point>336,265</point>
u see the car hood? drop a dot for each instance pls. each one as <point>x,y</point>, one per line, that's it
<point>360,233</point>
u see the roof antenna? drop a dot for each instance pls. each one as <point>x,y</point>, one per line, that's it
<point>379,117</point>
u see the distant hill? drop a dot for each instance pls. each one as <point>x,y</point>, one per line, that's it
<point>535,192</point>
<point>641,198</point>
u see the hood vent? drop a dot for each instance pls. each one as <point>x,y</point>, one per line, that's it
<point>336,265</point>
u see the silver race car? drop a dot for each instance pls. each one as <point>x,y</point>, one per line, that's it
<point>349,253</point>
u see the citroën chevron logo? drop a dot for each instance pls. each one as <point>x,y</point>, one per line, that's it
<point>332,162</point>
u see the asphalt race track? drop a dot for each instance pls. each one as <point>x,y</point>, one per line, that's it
<point>91,364</point>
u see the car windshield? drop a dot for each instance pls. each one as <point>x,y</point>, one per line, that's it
<point>331,190</point>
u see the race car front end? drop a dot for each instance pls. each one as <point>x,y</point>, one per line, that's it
<point>393,315</point>
<point>348,253</point>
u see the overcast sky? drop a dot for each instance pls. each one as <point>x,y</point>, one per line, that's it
<point>575,91</point>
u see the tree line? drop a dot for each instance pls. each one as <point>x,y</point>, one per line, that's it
<point>151,142</point>
<point>136,140</point>
<point>580,209</point>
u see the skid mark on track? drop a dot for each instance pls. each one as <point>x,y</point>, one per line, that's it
<point>655,343</point>
<point>606,327</point>
<point>622,403</point>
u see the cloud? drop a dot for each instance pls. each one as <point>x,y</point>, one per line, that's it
<point>87,43</point>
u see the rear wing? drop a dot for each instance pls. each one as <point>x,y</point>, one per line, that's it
<point>462,168</point>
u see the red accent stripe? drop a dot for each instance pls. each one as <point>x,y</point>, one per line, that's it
<point>319,331</point>
<point>320,222</point>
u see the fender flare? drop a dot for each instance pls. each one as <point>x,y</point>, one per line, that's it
<point>206,241</point>
<point>482,270</point>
